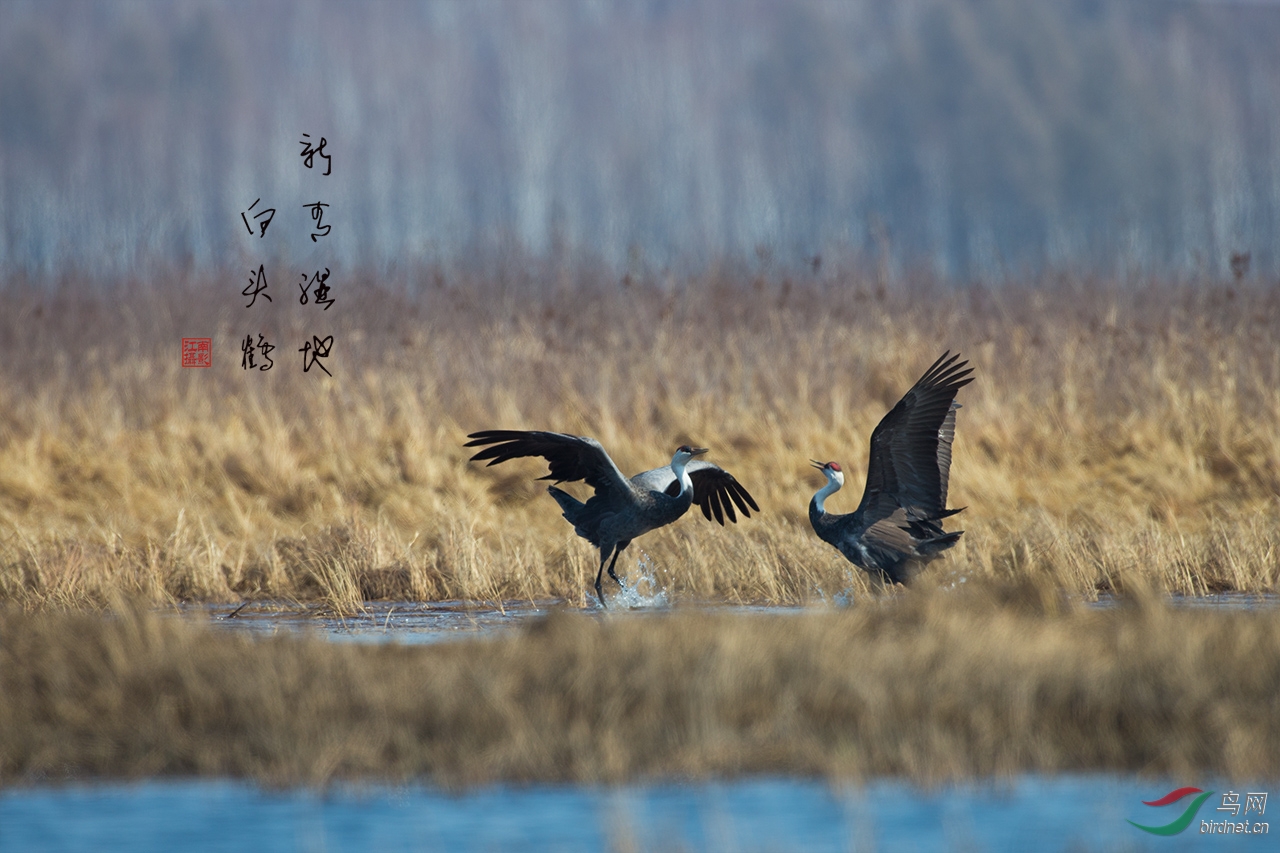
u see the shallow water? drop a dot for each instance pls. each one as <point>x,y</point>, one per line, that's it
<point>431,622</point>
<point>1029,813</point>
<point>1217,601</point>
<point>380,621</point>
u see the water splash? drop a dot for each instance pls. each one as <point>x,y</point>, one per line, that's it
<point>839,598</point>
<point>642,591</point>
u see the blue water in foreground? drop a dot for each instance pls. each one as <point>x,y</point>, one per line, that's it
<point>1073,813</point>
<point>1028,813</point>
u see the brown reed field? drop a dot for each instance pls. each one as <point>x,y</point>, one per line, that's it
<point>944,685</point>
<point>1117,435</point>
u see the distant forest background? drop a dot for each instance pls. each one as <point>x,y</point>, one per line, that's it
<point>965,137</point>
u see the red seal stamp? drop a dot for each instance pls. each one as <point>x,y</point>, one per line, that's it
<point>197,352</point>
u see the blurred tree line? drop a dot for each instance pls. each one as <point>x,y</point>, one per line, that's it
<point>969,137</point>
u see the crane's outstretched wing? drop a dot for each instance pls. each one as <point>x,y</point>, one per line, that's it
<point>911,447</point>
<point>570,457</point>
<point>714,489</point>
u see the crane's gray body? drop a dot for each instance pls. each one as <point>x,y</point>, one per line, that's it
<point>628,510</point>
<point>892,549</point>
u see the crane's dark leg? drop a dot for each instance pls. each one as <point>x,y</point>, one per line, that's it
<point>618,552</point>
<point>604,555</point>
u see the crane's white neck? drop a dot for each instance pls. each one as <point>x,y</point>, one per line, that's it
<point>833,485</point>
<point>678,468</point>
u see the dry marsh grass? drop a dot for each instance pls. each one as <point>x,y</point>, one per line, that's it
<point>936,686</point>
<point>1114,436</point>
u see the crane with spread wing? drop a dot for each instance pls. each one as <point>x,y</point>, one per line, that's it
<point>622,508</point>
<point>897,527</point>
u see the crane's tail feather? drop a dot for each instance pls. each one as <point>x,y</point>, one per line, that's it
<point>583,516</point>
<point>936,545</point>
<point>569,505</point>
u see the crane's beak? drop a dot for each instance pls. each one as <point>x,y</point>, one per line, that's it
<point>698,451</point>
<point>818,465</point>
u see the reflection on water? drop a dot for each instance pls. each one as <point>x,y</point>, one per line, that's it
<point>430,622</point>
<point>379,621</point>
<point>1030,813</point>
<point>1218,601</point>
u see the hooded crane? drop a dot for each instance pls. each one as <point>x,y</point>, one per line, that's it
<point>897,527</point>
<point>621,509</point>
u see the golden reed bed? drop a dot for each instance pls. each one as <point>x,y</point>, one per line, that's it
<point>941,685</point>
<point>1115,436</point>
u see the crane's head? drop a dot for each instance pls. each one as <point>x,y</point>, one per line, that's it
<point>684,453</point>
<point>831,470</point>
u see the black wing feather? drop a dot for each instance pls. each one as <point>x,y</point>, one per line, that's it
<point>727,503</point>
<point>569,457</point>
<point>946,435</point>
<point>742,498</point>
<point>716,491</point>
